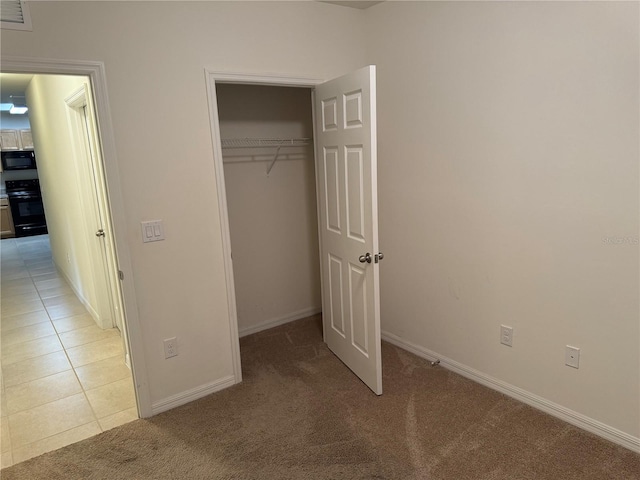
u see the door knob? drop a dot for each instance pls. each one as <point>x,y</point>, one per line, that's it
<point>365,258</point>
<point>100,233</point>
<point>379,256</point>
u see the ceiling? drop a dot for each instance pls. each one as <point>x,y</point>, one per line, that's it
<point>361,4</point>
<point>13,84</point>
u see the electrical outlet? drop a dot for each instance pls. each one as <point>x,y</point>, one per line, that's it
<point>506,335</point>
<point>572,356</point>
<point>170,347</point>
<point>68,258</point>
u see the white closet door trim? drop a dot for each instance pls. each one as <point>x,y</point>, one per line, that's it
<point>211,78</point>
<point>261,79</point>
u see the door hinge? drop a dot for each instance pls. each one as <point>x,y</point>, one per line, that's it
<point>120,274</point>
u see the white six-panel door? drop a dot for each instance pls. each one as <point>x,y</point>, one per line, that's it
<point>345,110</point>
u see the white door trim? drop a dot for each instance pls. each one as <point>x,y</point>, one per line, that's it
<point>109,310</point>
<point>268,79</point>
<point>211,77</point>
<point>102,309</point>
<point>97,75</point>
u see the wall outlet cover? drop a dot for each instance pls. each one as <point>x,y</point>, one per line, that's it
<point>506,335</point>
<point>572,356</point>
<point>170,347</point>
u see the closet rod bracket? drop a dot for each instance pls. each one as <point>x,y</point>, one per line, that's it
<point>275,159</point>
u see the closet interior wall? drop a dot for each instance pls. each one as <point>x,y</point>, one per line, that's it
<point>272,218</point>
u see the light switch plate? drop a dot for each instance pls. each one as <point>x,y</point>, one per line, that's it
<point>152,231</point>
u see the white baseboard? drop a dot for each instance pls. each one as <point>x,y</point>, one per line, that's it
<point>204,390</point>
<point>84,301</point>
<point>582,421</point>
<point>191,395</point>
<point>274,322</point>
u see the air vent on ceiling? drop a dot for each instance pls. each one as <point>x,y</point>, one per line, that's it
<point>14,15</point>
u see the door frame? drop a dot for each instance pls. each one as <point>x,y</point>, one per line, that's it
<point>90,174</point>
<point>85,163</point>
<point>212,77</point>
<point>96,73</point>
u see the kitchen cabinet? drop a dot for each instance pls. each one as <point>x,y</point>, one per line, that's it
<point>26,139</point>
<point>16,139</point>
<point>9,140</point>
<point>6,222</point>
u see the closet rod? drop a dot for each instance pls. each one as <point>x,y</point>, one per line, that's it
<point>264,142</point>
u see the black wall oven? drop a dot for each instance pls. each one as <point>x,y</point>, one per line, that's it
<point>18,160</point>
<point>25,201</point>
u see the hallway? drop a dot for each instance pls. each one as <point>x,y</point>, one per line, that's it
<point>63,378</point>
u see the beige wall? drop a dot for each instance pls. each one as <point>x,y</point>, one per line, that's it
<point>155,54</point>
<point>508,155</point>
<point>272,218</point>
<point>61,181</point>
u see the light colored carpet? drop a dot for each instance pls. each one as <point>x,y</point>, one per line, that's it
<point>301,414</point>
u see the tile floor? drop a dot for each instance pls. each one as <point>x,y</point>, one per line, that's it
<point>63,378</point>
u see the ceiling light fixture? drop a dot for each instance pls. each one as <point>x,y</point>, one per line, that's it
<point>5,107</point>
<point>19,107</point>
<point>18,110</point>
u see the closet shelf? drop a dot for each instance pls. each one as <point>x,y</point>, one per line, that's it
<point>264,142</point>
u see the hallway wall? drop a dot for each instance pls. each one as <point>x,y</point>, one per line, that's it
<point>61,182</point>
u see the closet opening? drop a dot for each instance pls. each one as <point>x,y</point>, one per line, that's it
<point>296,176</point>
<point>266,139</point>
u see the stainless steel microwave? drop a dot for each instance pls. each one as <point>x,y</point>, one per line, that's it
<point>18,160</point>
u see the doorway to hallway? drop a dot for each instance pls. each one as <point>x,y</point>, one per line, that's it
<point>64,366</point>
